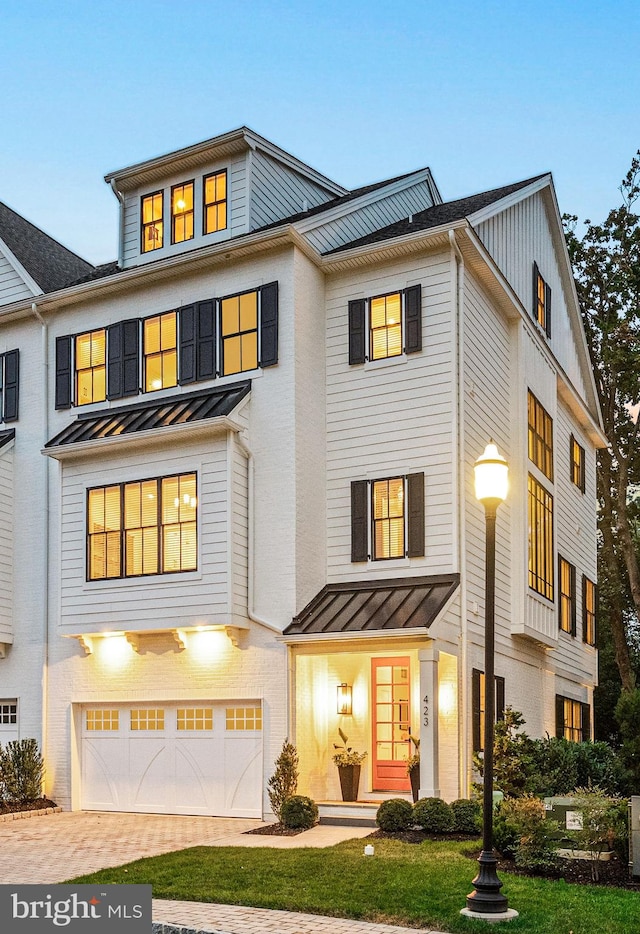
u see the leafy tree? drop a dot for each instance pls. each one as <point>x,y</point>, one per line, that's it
<point>606,265</point>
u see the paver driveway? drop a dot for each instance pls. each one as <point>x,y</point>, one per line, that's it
<point>60,846</point>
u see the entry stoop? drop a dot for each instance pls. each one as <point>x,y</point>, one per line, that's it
<point>348,813</point>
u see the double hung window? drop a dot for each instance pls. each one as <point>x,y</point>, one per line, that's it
<point>182,212</point>
<point>577,465</point>
<point>541,301</point>
<point>573,719</point>
<point>387,518</point>
<point>152,222</point>
<point>385,326</point>
<point>215,202</point>
<point>478,704</point>
<point>567,596</point>
<point>589,611</point>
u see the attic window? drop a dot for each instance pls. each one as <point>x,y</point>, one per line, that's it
<point>152,226</point>
<point>182,212</point>
<point>215,202</point>
<point>541,301</point>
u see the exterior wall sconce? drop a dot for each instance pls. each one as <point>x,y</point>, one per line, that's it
<point>345,700</point>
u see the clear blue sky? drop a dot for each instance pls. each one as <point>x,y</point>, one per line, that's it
<point>483,92</point>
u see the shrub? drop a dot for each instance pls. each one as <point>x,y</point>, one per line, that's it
<point>394,815</point>
<point>511,755</point>
<point>559,766</point>
<point>299,813</point>
<point>467,816</point>
<point>21,771</point>
<point>523,832</point>
<point>284,781</point>
<point>601,817</point>
<point>627,716</point>
<point>434,815</point>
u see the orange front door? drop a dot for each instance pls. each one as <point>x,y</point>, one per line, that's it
<point>391,727</point>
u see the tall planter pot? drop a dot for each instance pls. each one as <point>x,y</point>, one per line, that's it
<point>414,778</point>
<point>349,781</point>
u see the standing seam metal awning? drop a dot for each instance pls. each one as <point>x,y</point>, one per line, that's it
<point>7,436</point>
<point>375,606</point>
<point>172,410</point>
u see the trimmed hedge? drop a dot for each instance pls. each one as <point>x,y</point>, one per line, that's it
<point>467,816</point>
<point>433,815</point>
<point>394,815</point>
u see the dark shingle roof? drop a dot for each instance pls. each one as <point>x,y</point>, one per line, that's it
<point>49,263</point>
<point>374,606</point>
<point>7,436</point>
<point>144,416</point>
<point>98,272</point>
<point>438,215</point>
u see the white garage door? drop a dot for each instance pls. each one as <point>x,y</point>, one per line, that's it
<point>177,758</point>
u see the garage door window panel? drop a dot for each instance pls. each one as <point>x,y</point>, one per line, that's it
<point>102,720</point>
<point>147,719</point>
<point>243,718</point>
<point>195,718</point>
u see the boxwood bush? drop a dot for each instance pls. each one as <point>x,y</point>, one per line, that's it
<point>433,815</point>
<point>467,816</point>
<point>394,815</point>
<point>299,813</point>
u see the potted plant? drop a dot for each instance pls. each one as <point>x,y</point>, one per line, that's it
<point>348,762</point>
<point>413,768</point>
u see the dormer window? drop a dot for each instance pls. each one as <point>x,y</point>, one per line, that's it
<point>215,202</point>
<point>152,226</point>
<point>182,212</point>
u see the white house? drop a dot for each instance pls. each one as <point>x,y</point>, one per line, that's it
<point>236,473</point>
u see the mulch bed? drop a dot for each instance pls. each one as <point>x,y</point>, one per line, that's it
<point>37,805</point>
<point>275,830</point>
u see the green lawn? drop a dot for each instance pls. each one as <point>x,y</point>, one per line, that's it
<point>421,885</point>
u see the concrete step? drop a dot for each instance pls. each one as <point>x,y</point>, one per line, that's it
<point>353,813</point>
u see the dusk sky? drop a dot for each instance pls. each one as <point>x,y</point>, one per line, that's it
<point>483,93</point>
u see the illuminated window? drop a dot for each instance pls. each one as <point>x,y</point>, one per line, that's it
<point>385,326</point>
<point>541,301</point>
<point>576,459</point>
<point>102,720</point>
<point>479,705</point>
<point>239,328</point>
<point>90,360</point>
<point>540,539</point>
<point>195,718</point>
<point>588,611</point>
<point>215,202</point>
<point>149,719</point>
<point>387,511</point>
<point>182,212</point>
<point>143,527</point>
<point>152,224</point>
<point>567,591</point>
<point>160,351</point>
<point>243,718</point>
<point>540,436</point>
<point>8,712</point>
<point>573,719</point>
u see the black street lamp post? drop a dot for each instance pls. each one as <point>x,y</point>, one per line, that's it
<point>491,480</point>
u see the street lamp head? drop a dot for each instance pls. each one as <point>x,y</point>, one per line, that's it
<point>491,475</point>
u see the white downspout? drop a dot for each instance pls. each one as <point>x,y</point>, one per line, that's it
<point>251,551</point>
<point>45,534</point>
<point>464,773</point>
<point>120,198</point>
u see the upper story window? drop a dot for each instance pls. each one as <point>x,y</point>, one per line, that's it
<point>541,309</point>
<point>387,518</point>
<point>385,326</point>
<point>140,528</point>
<point>160,348</point>
<point>9,373</point>
<point>589,609</point>
<point>215,202</point>
<point>90,367</point>
<point>577,464</point>
<point>197,342</point>
<point>152,222</point>
<point>573,720</point>
<point>540,436</point>
<point>182,212</point>
<point>567,592</point>
<point>540,512</point>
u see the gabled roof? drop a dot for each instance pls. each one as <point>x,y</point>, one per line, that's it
<point>446,213</point>
<point>51,265</point>
<point>375,606</point>
<point>145,416</point>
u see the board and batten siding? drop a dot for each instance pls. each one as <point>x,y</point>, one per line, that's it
<point>157,601</point>
<point>392,417</point>
<point>516,238</point>
<point>278,191</point>
<point>363,220</point>
<point>237,211</point>
<point>12,286</point>
<point>6,543</point>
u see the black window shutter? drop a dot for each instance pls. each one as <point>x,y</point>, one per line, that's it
<point>269,324</point>
<point>63,372</point>
<point>115,361</point>
<point>206,347</point>
<point>187,353</point>
<point>11,376</point>
<point>415,524</point>
<point>534,307</point>
<point>499,698</point>
<point>359,527</point>
<point>413,319</point>
<point>559,715</point>
<point>356,331</point>
<point>586,722</point>
<point>475,709</point>
<point>131,357</point>
<point>573,601</point>
<point>547,309</point>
